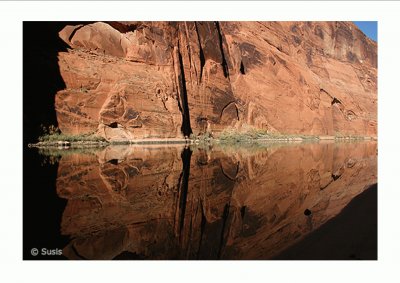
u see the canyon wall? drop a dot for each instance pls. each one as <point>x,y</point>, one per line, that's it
<point>135,80</point>
<point>217,203</point>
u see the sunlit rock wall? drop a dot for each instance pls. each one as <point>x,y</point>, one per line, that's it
<point>133,80</point>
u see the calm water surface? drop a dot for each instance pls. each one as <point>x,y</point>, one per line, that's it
<point>176,202</point>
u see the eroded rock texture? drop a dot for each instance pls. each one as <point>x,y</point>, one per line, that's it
<point>130,80</point>
<point>236,203</point>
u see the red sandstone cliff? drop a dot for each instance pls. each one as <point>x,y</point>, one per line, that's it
<point>128,80</point>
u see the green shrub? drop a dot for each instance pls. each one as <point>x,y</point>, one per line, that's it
<point>53,134</point>
<point>249,134</point>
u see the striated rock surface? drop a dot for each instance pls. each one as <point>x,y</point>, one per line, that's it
<point>128,80</point>
<point>181,203</point>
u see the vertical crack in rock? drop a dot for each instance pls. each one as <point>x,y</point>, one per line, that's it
<point>224,64</point>
<point>186,128</point>
<point>202,58</point>
<point>189,51</point>
<point>185,155</point>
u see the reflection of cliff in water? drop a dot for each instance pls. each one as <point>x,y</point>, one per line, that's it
<point>175,203</point>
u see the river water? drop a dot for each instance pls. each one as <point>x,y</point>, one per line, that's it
<point>276,201</point>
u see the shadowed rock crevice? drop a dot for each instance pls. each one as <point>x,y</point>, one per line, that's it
<point>335,177</point>
<point>231,111</point>
<point>242,71</point>
<point>74,31</point>
<point>201,52</point>
<point>185,128</point>
<point>125,27</point>
<point>113,125</point>
<point>224,64</point>
<point>113,161</point>
<point>335,101</point>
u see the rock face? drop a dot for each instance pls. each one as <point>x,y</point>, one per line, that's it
<point>130,80</point>
<point>233,203</point>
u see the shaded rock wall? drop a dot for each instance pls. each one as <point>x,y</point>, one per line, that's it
<point>127,80</point>
<point>172,203</point>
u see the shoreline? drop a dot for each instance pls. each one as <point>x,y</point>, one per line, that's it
<point>200,140</point>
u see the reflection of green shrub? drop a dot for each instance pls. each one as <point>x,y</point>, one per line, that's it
<point>53,134</point>
<point>53,155</point>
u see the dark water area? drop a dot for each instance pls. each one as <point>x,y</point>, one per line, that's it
<point>350,235</point>
<point>42,207</point>
<point>293,201</point>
